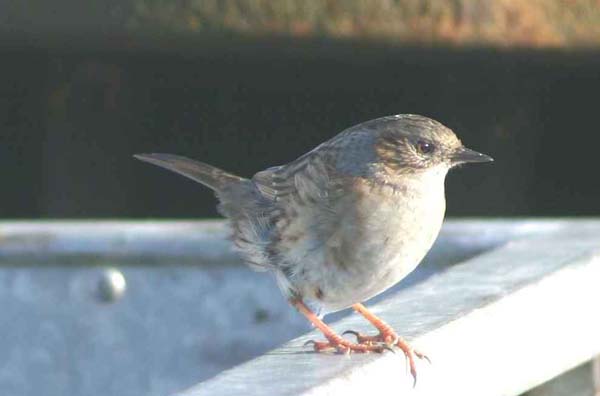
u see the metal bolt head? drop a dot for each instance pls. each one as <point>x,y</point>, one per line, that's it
<point>112,285</point>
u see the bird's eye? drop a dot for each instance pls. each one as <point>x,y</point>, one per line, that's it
<point>425,147</point>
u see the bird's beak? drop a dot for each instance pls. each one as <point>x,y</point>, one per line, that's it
<point>464,155</point>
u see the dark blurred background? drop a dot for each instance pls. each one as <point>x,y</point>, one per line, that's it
<point>249,84</point>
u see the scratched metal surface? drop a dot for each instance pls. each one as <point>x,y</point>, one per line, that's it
<point>184,311</point>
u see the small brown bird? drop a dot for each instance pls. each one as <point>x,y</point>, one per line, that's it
<point>343,222</point>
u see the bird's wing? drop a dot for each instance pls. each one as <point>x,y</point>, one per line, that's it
<point>309,180</point>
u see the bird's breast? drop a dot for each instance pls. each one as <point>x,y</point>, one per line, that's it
<point>398,226</point>
<point>382,235</point>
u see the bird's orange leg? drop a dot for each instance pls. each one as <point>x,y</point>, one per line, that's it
<point>334,341</point>
<point>388,336</point>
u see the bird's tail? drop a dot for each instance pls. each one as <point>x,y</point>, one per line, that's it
<point>208,175</point>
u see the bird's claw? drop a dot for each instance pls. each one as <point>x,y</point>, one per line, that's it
<point>354,333</point>
<point>321,346</point>
<point>343,346</point>
<point>386,342</point>
<point>422,356</point>
<point>376,339</point>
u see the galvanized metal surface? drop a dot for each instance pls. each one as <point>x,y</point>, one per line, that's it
<point>149,308</point>
<point>498,324</point>
<point>576,382</point>
<point>132,242</point>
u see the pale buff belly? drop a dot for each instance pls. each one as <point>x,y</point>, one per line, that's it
<point>371,249</point>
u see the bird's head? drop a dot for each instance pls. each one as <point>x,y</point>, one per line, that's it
<point>409,143</point>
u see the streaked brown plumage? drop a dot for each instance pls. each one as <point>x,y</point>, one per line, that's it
<point>345,221</point>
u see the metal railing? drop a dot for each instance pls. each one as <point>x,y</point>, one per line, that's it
<point>147,308</point>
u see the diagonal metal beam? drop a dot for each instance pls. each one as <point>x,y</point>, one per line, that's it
<point>497,324</point>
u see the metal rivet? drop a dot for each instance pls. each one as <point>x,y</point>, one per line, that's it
<point>112,285</point>
<point>261,315</point>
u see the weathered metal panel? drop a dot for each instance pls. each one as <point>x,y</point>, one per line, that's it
<point>500,323</point>
<point>149,308</point>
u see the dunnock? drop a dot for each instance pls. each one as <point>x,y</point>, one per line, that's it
<point>343,222</point>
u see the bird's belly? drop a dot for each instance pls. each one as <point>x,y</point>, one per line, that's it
<point>378,269</point>
<point>380,250</point>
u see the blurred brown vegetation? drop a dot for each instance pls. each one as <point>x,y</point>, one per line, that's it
<point>524,23</point>
<point>89,83</point>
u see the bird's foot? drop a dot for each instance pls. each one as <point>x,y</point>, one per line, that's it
<point>336,343</point>
<point>390,338</point>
